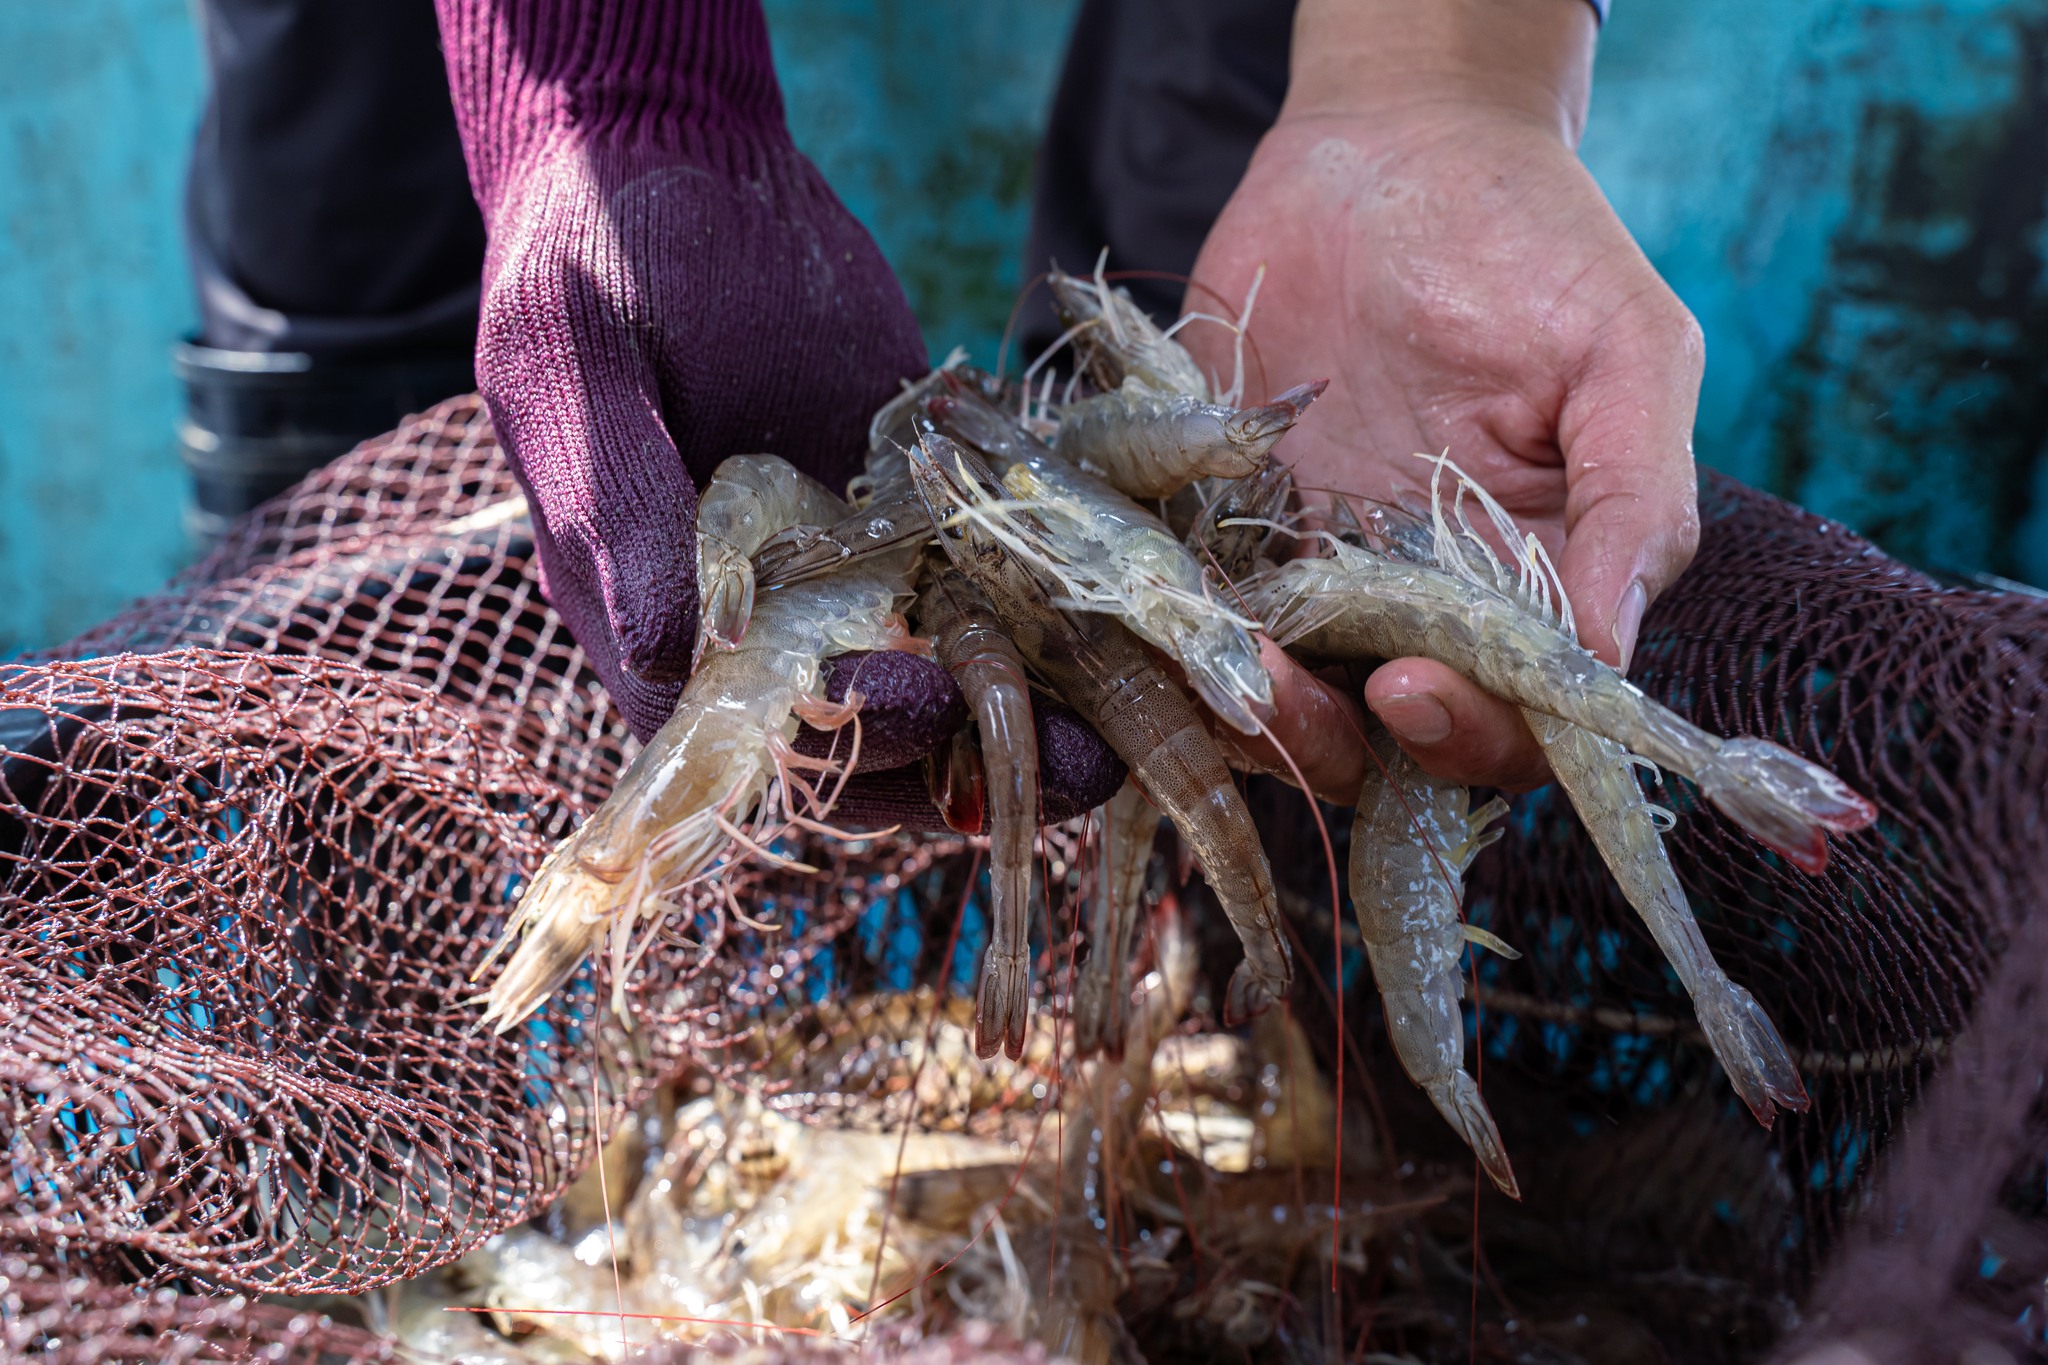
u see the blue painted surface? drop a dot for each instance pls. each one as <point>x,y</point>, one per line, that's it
<point>1852,195</point>
<point>1839,188</point>
<point>926,117</point>
<point>97,103</point>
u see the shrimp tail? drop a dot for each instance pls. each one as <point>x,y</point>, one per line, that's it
<point>1248,997</point>
<point>1457,1098</point>
<point>1257,429</point>
<point>1000,1007</point>
<point>1750,1051</point>
<point>1783,799</point>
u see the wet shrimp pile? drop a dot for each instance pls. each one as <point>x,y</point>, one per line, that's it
<point>1003,533</point>
<point>304,1061</point>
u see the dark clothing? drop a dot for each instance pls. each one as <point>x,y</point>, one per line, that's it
<point>328,210</point>
<point>1158,112</point>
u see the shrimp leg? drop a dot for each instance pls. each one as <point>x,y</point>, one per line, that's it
<point>1103,671</point>
<point>1411,841</point>
<point>971,643</point>
<point>1129,824</point>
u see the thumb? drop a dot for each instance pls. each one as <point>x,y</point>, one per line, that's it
<point>614,506</point>
<point>1632,501</point>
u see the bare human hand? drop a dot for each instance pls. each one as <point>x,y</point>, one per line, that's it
<point>1434,247</point>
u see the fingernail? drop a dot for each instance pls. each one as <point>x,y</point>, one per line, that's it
<point>1628,619</point>
<point>1416,717</point>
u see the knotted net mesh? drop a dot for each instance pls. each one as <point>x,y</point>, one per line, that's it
<point>258,833</point>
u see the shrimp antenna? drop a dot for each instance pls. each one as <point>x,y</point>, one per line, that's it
<point>1244,325</point>
<point>1103,298</point>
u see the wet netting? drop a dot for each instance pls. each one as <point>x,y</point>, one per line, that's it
<point>258,833</point>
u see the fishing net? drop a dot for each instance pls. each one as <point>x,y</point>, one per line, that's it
<point>258,833</point>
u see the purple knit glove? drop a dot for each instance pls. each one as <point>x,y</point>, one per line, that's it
<point>668,282</point>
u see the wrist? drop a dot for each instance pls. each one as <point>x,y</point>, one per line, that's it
<point>1530,60</point>
<point>527,75</point>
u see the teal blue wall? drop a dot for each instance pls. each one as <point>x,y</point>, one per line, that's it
<point>97,101</point>
<point>1811,175</point>
<point>1852,195</point>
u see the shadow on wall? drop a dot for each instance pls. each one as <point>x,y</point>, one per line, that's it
<point>1850,194</point>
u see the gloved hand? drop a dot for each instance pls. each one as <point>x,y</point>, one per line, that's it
<point>668,282</point>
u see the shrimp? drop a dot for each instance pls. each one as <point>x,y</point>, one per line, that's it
<point>1361,604</point>
<point>1148,444</point>
<point>1104,672</point>
<point>1411,841</point>
<point>1233,521</point>
<point>1599,776</point>
<point>1129,825</point>
<point>971,643</point>
<point>678,805</point>
<point>1116,340</point>
<point>1110,555</point>
<point>749,499</point>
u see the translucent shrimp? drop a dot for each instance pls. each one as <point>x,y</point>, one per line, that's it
<point>1107,554</point>
<point>749,499</point>
<point>1148,444</point>
<point>1157,425</point>
<point>970,641</point>
<point>678,806</point>
<point>1117,341</point>
<point>1103,672</point>
<point>1129,825</point>
<point>1362,604</point>
<point>1600,778</point>
<point>1411,842</point>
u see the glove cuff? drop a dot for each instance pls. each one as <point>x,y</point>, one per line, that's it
<point>693,76</point>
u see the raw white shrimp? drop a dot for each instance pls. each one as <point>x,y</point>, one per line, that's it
<point>1412,839</point>
<point>1599,776</point>
<point>1358,603</point>
<point>679,805</point>
<point>1115,339</point>
<point>1110,555</point>
<point>1148,444</point>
